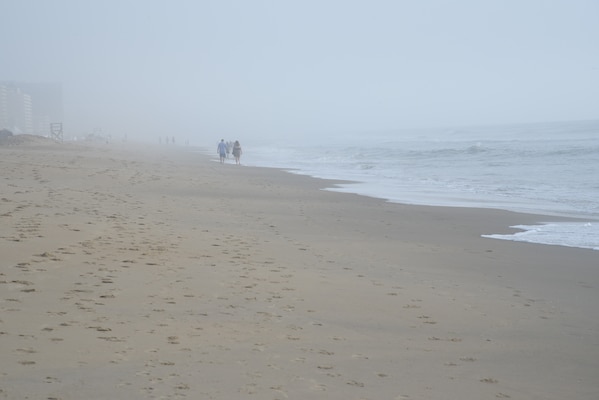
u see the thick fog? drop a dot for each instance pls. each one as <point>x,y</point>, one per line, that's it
<point>202,70</point>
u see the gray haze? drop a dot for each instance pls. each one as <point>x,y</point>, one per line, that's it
<point>237,69</point>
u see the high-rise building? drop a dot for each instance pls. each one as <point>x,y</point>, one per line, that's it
<point>30,107</point>
<point>3,106</point>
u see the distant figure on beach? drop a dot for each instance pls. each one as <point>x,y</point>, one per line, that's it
<point>237,152</point>
<point>222,150</point>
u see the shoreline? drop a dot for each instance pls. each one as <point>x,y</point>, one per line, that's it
<point>408,173</point>
<point>552,224</point>
<point>144,272</point>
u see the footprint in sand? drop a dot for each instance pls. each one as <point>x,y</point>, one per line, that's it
<point>489,380</point>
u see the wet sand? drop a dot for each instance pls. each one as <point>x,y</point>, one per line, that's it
<point>146,272</point>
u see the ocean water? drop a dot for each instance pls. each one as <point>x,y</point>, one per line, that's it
<point>550,169</point>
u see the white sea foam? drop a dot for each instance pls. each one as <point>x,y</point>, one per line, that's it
<point>572,234</point>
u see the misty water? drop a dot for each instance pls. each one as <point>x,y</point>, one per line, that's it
<point>548,169</point>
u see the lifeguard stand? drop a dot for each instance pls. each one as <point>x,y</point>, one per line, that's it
<point>56,131</point>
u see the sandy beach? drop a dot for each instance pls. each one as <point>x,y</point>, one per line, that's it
<point>144,272</point>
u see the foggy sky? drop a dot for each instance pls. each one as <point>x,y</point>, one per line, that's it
<point>242,68</point>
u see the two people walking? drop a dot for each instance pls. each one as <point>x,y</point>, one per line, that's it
<point>223,151</point>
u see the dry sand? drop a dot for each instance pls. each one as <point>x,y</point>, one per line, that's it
<point>153,273</point>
